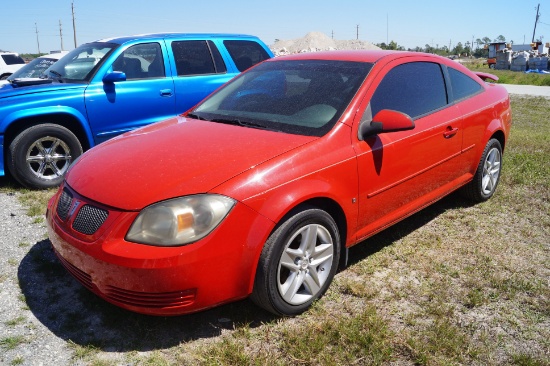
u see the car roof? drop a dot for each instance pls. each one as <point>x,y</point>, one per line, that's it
<point>353,55</point>
<point>124,39</point>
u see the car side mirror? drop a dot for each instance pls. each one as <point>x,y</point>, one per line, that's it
<point>386,120</point>
<point>114,76</point>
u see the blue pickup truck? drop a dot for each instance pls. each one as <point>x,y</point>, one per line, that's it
<point>104,88</point>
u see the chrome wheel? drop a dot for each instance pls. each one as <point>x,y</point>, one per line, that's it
<point>491,171</point>
<point>305,264</point>
<point>49,158</point>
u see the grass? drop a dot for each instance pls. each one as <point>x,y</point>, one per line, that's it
<point>9,343</point>
<point>511,77</point>
<point>454,284</point>
<point>12,323</point>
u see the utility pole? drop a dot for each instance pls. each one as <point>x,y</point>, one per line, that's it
<point>61,34</point>
<point>37,41</point>
<point>357,37</point>
<point>387,28</point>
<point>74,27</point>
<point>332,34</point>
<point>536,21</point>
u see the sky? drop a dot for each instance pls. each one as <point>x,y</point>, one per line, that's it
<point>29,25</point>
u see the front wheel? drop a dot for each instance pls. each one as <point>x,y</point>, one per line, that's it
<point>40,156</point>
<point>298,263</point>
<point>487,175</point>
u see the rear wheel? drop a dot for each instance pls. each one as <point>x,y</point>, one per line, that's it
<point>487,175</point>
<point>40,156</point>
<point>298,263</point>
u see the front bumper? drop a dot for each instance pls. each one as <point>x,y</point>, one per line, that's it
<point>161,280</point>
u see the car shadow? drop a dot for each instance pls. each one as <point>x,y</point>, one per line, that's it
<point>73,313</point>
<point>401,229</point>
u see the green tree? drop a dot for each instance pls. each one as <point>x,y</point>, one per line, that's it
<point>478,42</point>
<point>458,49</point>
<point>500,38</point>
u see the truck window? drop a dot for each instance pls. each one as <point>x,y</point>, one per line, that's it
<point>245,53</point>
<point>142,61</point>
<point>193,58</point>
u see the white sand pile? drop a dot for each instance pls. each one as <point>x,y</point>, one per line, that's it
<point>317,41</point>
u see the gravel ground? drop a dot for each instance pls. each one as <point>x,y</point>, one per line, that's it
<point>20,238</point>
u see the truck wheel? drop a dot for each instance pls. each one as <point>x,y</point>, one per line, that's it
<point>492,66</point>
<point>40,155</point>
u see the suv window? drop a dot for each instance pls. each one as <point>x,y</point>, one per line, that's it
<point>142,61</point>
<point>245,53</point>
<point>11,59</point>
<point>196,58</point>
<point>463,85</point>
<point>415,88</point>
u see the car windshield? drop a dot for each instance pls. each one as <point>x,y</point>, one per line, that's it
<point>303,97</point>
<point>33,69</point>
<point>81,63</point>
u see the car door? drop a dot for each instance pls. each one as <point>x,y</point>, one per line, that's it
<point>401,172</point>
<point>146,96</point>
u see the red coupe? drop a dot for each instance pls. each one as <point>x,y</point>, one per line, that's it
<point>261,188</point>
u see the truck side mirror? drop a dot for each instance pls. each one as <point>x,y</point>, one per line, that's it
<point>114,76</point>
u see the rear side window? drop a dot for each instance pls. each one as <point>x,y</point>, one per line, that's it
<point>12,59</point>
<point>463,85</point>
<point>416,88</point>
<point>197,58</point>
<point>245,53</point>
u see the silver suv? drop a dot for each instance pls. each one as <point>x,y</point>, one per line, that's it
<point>10,62</point>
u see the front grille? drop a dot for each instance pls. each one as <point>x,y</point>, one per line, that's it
<point>64,204</point>
<point>151,299</point>
<point>89,219</point>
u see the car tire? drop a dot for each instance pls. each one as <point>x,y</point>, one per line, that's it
<point>293,272</point>
<point>487,175</point>
<point>39,156</point>
<point>492,66</point>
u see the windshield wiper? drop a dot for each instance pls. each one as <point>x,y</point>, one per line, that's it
<point>196,116</point>
<point>238,122</point>
<point>58,75</point>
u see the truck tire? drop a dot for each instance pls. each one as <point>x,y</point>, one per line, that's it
<point>39,156</point>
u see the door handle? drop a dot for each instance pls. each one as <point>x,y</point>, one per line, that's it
<point>166,92</point>
<point>450,132</point>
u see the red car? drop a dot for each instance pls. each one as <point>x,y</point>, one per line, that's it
<point>261,188</point>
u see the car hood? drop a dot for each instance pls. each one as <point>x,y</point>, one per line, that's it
<point>8,90</point>
<point>173,158</point>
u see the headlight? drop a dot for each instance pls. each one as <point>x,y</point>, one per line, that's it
<point>179,221</point>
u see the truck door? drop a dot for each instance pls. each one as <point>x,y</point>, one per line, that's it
<point>145,97</point>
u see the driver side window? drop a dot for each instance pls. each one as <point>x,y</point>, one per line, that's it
<point>142,61</point>
<point>415,88</point>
